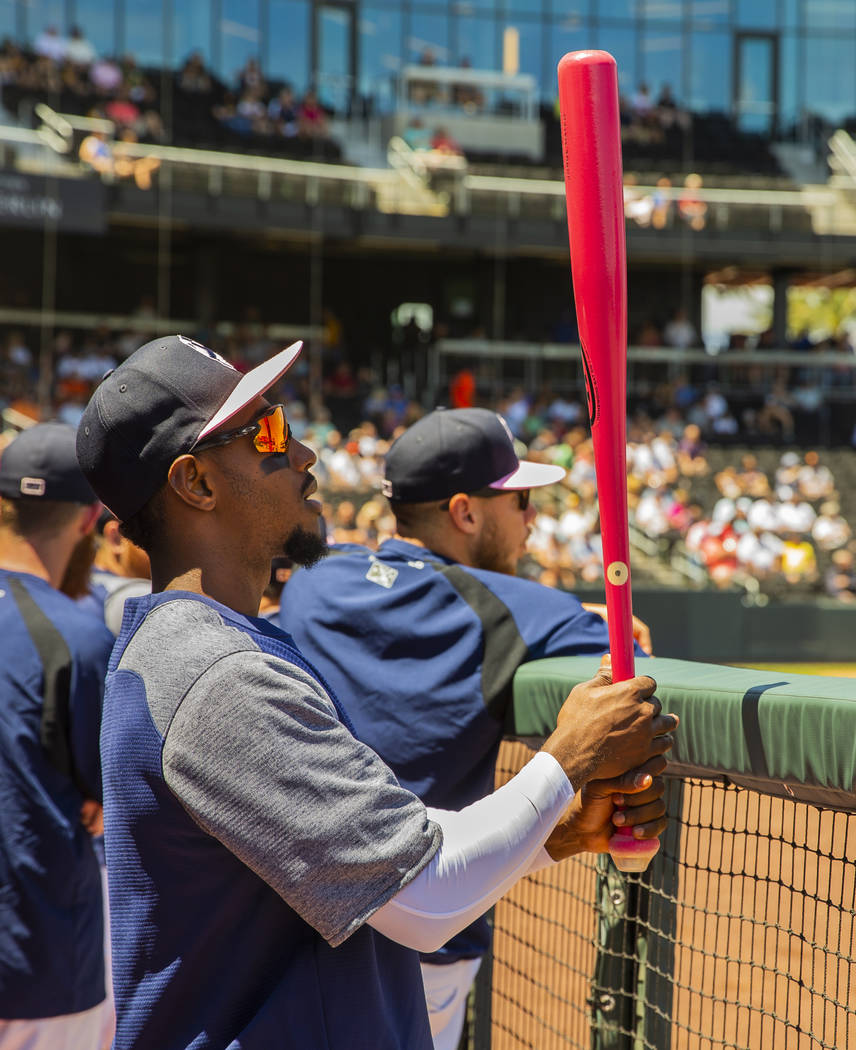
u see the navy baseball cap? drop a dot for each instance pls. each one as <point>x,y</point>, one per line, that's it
<point>41,463</point>
<point>156,406</point>
<point>459,450</point>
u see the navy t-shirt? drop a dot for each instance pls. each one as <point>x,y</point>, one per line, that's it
<point>249,837</point>
<point>51,926</point>
<point>422,652</point>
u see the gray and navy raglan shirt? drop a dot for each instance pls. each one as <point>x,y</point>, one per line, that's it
<point>249,836</point>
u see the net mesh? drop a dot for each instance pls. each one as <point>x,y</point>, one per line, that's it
<point>741,936</point>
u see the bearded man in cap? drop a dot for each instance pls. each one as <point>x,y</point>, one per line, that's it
<point>424,635</point>
<point>53,661</point>
<point>269,877</point>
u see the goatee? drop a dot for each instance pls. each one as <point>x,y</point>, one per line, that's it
<point>304,547</point>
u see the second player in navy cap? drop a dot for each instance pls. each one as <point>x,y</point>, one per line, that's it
<point>459,450</point>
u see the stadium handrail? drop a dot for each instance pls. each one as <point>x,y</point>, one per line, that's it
<point>560,351</point>
<point>127,322</point>
<point>807,197</point>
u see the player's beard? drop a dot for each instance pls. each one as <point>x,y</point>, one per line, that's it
<point>75,580</point>
<point>491,551</point>
<point>305,547</point>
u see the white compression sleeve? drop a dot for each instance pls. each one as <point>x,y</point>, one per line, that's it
<point>486,848</point>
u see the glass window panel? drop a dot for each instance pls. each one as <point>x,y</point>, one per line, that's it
<point>661,10</point>
<point>469,7</point>
<point>191,30</point>
<point>791,13</point>
<point>610,9</point>
<point>287,55</point>
<point>570,9</point>
<point>755,88</point>
<point>663,60</point>
<point>788,84</point>
<point>830,14</point>
<point>379,54</point>
<point>621,43</point>
<point>333,73</point>
<point>569,34</point>
<point>97,20</point>
<point>476,43</point>
<point>708,12</point>
<point>532,56</point>
<point>144,32</point>
<point>428,38</point>
<point>710,73</point>
<point>830,78</point>
<point>527,7</point>
<point>44,13</point>
<point>757,14</point>
<point>239,36</point>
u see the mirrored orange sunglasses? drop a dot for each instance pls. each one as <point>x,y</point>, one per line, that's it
<point>269,429</point>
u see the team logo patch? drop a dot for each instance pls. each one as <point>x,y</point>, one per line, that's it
<point>506,428</point>
<point>382,575</point>
<point>200,349</point>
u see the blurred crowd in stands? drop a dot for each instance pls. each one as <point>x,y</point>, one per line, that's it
<point>251,112</point>
<point>703,513</point>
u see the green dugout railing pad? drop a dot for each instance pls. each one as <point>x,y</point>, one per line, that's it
<point>785,734</point>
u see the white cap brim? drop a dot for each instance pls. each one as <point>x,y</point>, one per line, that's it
<point>530,475</point>
<point>252,385</point>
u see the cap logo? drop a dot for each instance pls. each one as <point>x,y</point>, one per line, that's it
<point>506,428</point>
<point>33,486</point>
<point>200,349</point>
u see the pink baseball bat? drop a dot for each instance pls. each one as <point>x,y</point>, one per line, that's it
<point>591,141</point>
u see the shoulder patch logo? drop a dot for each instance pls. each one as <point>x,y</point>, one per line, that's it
<point>207,351</point>
<point>382,575</point>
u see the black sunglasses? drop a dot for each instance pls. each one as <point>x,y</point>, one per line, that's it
<point>490,493</point>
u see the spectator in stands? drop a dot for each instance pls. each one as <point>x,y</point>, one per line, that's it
<point>830,529</point>
<point>691,208</point>
<point>799,563</point>
<point>442,142</point>
<point>794,513</point>
<point>775,417</point>
<point>416,135</point>
<point>121,109</point>
<point>661,212</point>
<point>252,109</point>
<point>680,332</point>
<point>49,44</point>
<point>251,78</point>
<point>311,118</point>
<point>642,105</point>
<point>106,76</point>
<point>840,579</point>
<point>814,481</point>
<point>282,112</point>
<point>193,77</point>
<point>78,50</point>
<point>692,459</point>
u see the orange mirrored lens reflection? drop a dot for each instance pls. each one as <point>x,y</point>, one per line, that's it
<point>274,434</point>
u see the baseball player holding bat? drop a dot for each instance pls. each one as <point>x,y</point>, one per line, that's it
<point>424,635</point>
<point>269,877</point>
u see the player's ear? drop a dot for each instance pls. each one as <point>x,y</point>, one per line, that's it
<point>191,481</point>
<point>463,512</point>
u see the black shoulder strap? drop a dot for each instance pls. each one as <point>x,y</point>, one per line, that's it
<point>55,732</point>
<point>504,647</point>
